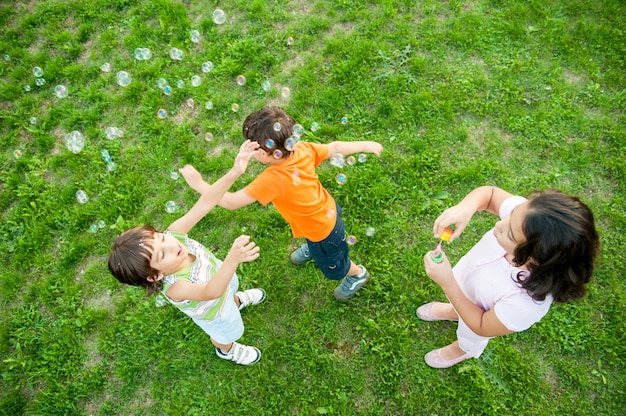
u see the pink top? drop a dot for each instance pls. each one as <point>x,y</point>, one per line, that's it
<point>488,279</point>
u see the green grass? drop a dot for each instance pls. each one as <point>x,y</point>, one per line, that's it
<point>521,95</point>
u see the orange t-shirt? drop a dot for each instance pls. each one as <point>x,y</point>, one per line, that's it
<point>292,186</point>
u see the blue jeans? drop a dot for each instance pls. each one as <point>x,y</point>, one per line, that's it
<point>332,255</point>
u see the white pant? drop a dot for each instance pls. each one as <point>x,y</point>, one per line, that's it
<point>228,325</point>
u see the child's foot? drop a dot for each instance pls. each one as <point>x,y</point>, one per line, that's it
<point>301,255</point>
<point>447,356</point>
<point>250,297</point>
<point>437,311</point>
<point>351,284</point>
<point>240,354</point>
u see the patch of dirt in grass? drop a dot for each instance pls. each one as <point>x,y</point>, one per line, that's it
<point>188,111</point>
<point>571,78</point>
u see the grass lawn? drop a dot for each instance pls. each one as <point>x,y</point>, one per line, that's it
<point>521,95</point>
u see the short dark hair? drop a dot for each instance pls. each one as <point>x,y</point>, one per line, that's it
<point>130,256</point>
<point>560,248</point>
<point>272,128</point>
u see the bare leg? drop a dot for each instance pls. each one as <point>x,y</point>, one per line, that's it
<point>354,269</point>
<point>452,351</point>
<point>223,347</point>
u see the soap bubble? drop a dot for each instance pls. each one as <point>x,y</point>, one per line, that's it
<point>277,126</point>
<point>26,88</point>
<point>208,105</point>
<point>362,157</point>
<point>315,126</point>
<point>180,84</point>
<point>351,240</point>
<point>190,102</point>
<point>162,113</point>
<point>123,78</point>
<point>298,129</point>
<point>208,137</point>
<point>269,143</point>
<point>37,71</point>
<point>290,143</point>
<point>170,207</point>
<point>40,82</point>
<point>341,179</point>
<point>285,92</point>
<point>81,196</point>
<point>219,17</point>
<point>370,231</point>
<point>60,91</point>
<point>337,160</point>
<point>17,153</point>
<point>289,41</point>
<point>161,83</point>
<point>7,58</point>
<point>160,301</point>
<point>207,67</point>
<point>33,120</point>
<point>142,54</point>
<point>194,35</point>
<point>105,155</point>
<point>330,213</point>
<point>75,141</point>
<point>174,175</point>
<point>195,80</point>
<point>111,166</point>
<point>105,67</point>
<point>101,224</point>
<point>296,178</point>
<point>176,54</point>
<point>351,160</point>
<point>344,120</point>
<point>266,85</point>
<point>113,133</point>
<point>93,228</point>
<point>277,154</point>
<point>234,107</point>
<point>167,90</point>
<point>241,80</point>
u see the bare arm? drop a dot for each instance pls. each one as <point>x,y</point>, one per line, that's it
<point>349,148</point>
<point>484,198</point>
<point>483,323</point>
<point>211,194</point>
<point>236,200</point>
<point>242,250</point>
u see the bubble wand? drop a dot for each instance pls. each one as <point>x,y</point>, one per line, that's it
<point>437,255</point>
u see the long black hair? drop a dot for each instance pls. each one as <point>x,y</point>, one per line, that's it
<point>560,248</point>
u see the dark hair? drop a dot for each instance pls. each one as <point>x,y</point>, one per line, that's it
<point>272,128</point>
<point>130,256</point>
<point>560,248</point>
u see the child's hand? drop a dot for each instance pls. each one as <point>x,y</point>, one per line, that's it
<point>457,215</point>
<point>441,272</point>
<point>193,178</point>
<point>373,147</point>
<point>246,151</point>
<point>243,250</point>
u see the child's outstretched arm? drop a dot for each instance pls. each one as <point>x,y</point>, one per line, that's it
<point>242,250</point>
<point>484,198</point>
<point>349,148</point>
<point>211,194</point>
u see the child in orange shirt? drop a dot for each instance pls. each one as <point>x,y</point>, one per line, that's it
<point>291,184</point>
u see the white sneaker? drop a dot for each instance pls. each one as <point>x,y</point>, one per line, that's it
<point>250,297</point>
<point>240,354</point>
